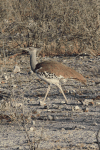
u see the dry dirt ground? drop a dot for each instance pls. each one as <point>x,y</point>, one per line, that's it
<point>25,124</point>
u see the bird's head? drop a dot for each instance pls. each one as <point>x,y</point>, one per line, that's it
<point>32,49</point>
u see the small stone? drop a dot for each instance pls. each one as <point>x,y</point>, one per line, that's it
<point>76,108</point>
<point>94,124</point>
<point>85,109</point>
<point>41,103</point>
<point>64,60</point>
<point>87,102</point>
<point>45,107</point>
<point>14,85</point>
<point>16,69</point>
<point>92,147</point>
<point>91,103</point>
<point>5,77</point>
<point>31,128</point>
<point>98,103</point>
<point>63,148</point>
<point>50,117</point>
<point>61,106</point>
<point>12,75</point>
<point>38,111</point>
<point>63,102</point>
<point>30,72</point>
<point>33,122</point>
<point>19,104</point>
<point>72,108</point>
<point>49,110</point>
<point>62,129</point>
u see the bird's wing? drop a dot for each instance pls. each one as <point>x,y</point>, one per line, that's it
<point>60,70</point>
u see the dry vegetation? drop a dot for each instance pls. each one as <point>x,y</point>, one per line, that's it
<point>59,26</point>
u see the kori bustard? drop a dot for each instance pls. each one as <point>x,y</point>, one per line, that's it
<point>52,71</point>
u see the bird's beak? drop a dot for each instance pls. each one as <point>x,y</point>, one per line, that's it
<point>26,49</point>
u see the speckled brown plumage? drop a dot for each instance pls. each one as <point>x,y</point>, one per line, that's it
<point>59,69</point>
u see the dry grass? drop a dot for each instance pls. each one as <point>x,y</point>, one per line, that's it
<point>60,26</point>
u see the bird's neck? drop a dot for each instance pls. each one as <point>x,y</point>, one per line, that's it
<point>33,61</point>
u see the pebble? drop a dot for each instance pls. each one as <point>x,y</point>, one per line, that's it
<point>98,103</point>
<point>85,109</point>
<point>29,117</point>
<point>49,117</point>
<point>62,129</point>
<point>14,85</point>
<point>12,75</point>
<point>63,102</point>
<point>63,148</point>
<point>41,103</point>
<point>94,124</point>
<point>49,110</point>
<point>32,122</point>
<point>64,61</point>
<point>31,128</point>
<point>5,77</point>
<point>77,108</point>
<point>87,102</point>
<point>46,107</point>
<point>16,69</point>
<point>30,72</point>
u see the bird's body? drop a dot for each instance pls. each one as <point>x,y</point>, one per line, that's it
<point>52,71</point>
<point>55,70</point>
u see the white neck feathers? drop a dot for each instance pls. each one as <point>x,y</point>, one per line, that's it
<point>33,61</point>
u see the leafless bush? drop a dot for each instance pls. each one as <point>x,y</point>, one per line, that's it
<point>62,25</point>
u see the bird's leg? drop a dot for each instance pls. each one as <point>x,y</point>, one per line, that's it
<point>48,89</point>
<point>62,92</point>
